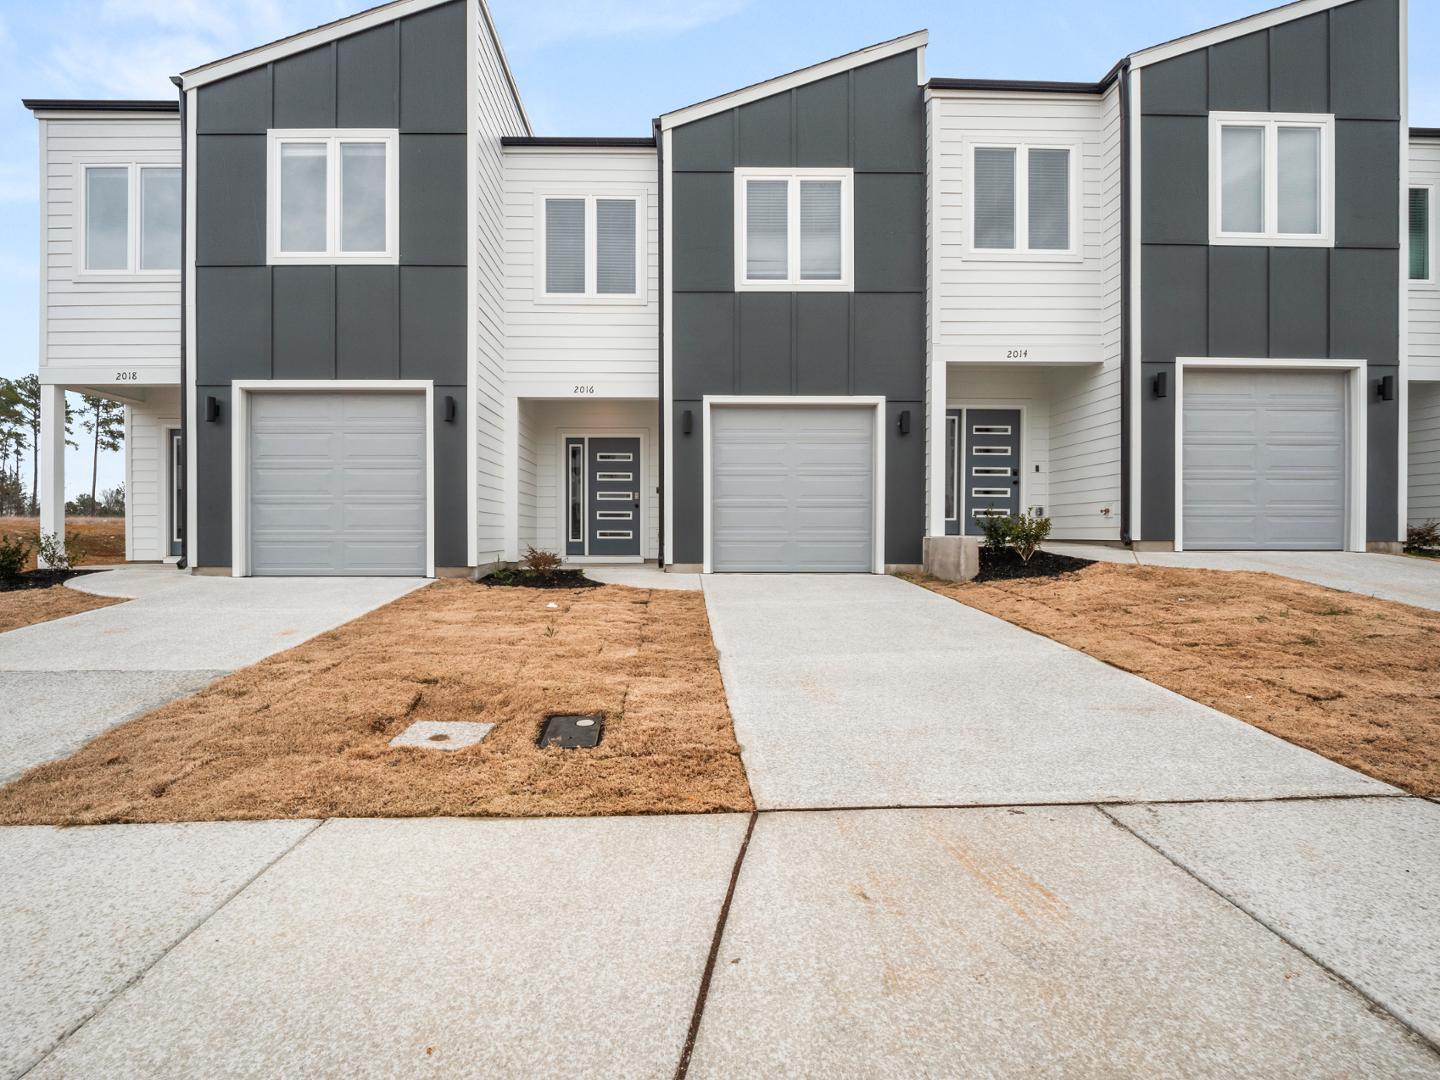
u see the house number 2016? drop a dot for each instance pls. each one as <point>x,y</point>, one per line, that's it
<point>584,390</point>
<point>1016,354</point>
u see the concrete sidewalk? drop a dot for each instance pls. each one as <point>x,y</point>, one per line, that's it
<point>858,690</point>
<point>64,682</point>
<point>1389,577</point>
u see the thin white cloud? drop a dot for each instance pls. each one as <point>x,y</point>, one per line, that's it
<point>526,24</point>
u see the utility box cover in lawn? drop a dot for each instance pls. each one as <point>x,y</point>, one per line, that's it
<point>572,732</point>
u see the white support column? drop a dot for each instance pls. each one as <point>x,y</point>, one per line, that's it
<point>939,395</point>
<point>52,460</point>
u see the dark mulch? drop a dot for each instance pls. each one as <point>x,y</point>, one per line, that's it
<point>1007,566</point>
<point>528,579</point>
<point>39,579</point>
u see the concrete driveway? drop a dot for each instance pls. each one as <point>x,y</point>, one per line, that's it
<point>1389,577</point>
<point>861,690</point>
<point>63,682</point>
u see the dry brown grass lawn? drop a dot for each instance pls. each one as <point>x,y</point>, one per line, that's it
<point>305,733</point>
<point>25,607</point>
<point>101,540</point>
<point>1350,677</point>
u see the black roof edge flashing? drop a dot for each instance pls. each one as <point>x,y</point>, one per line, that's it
<point>97,105</point>
<point>580,142</point>
<point>1424,133</point>
<point>1032,86</point>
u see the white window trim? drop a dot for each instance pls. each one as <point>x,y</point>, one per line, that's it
<point>1022,249</point>
<point>82,197</point>
<point>332,138</point>
<point>1433,280</point>
<point>793,282</point>
<point>1270,237</point>
<point>592,249</point>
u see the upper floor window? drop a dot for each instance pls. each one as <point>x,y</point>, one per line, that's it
<point>1023,199</point>
<point>794,229</point>
<point>332,197</point>
<point>593,248</point>
<point>1272,179</point>
<point>131,219</point>
<point>1423,233</point>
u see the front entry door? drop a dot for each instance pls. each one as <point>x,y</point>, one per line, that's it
<point>990,457</point>
<point>175,544</point>
<point>603,496</point>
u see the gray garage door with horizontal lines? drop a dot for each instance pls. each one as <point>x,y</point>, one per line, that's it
<point>1265,459</point>
<point>792,489</point>
<point>337,484</point>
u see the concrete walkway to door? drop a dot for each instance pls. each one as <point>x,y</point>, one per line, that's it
<point>852,691</point>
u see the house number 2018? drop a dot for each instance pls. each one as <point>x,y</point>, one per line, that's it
<point>584,390</point>
<point>1016,354</point>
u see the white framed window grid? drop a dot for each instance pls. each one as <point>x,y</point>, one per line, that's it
<point>591,293</point>
<point>1268,128</point>
<point>795,277</point>
<point>1021,210</point>
<point>1422,269</point>
<point>146,254</point>
<point>334,248</point>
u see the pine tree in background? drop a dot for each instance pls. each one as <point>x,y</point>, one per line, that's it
<point>105,421</point>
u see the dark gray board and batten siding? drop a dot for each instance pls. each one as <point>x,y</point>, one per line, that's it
<point>1274,302</point>
<point>255,321</point>
<point>867,342</point>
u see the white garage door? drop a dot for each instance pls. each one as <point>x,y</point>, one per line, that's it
<point>792,489</point>
<point>1265,459</point>
<point>337,484</point>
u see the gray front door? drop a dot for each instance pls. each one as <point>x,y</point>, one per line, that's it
<point>989,456</point>
<point>338,484</point>
<point>1264,459</point>
<point>176,450</point>
<point>602,491</point>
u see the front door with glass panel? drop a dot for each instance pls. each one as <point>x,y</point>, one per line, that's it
<point>602,496</point>
<point>982,467</point>
<point>175,543</point>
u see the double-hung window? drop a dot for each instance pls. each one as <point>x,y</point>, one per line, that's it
<point>1424,233</point>
<point>592,248</point>
<point>332,196</point>
<point>1023,200</point>
<point>130,219</point>
<point>1272,179</point>
<point>794,230</point>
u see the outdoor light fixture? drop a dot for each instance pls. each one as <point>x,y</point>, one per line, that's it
<point>687,422</point>
<point>449,409</point>
<point>1161,384</point>
<point>212,409</point>
<point>1386,389</point>
<point>902,425</point>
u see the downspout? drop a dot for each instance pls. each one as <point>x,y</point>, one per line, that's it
<point>660,339</point>
<point>1126,345</point>
<point>184,522</point>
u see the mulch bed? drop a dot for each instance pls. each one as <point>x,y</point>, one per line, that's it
<point>528,579</point>
<point>39,579</point>
<point>1008,566</point>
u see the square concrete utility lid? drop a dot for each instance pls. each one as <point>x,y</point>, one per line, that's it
<point>442,734</point>
<point>572,732</point>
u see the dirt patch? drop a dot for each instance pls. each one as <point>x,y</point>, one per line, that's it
<point>305,733</point>
<point>27,606</point>
<point>100,540</point>
<point>1008,566</point>
<point>1347,676</point>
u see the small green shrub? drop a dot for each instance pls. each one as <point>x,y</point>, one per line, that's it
<point>997,530</point>
<point>1027,533</point>
<point>1425,537</point>
<point>56,554</point>
<point>13,553</point>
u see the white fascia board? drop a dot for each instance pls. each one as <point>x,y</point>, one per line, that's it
<point>781,83</point>
<point>1202,39</point>
<point>109,114</point>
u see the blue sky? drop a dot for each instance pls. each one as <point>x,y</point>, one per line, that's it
<point>585,67</point>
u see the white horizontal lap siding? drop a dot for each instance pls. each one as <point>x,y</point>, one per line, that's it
<point>615,344</point>
<point>147,483</point>
<point>527,487</point>
<point>984,306</point>
<point>497,115</point>
<point>1424,480</point>
<point>1424,321</point>
<point>95,327</point>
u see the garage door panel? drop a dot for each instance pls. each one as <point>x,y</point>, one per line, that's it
<point>792,489</point>
<point>338,483</point>
<point>1264,459</point>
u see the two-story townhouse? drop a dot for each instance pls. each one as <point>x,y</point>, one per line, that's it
<point>808,324</point>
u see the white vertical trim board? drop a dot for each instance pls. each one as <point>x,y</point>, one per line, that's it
<point>1356,401</point>
<point>1137,340</point>
<point>192,458</point>
<point>1402,358</point>
<point>799,401</point>
<point>241,390</point>
<point>473,17</point>
<point>667,262</point>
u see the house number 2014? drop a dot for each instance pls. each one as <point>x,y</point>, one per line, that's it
<point>584,390</point>
<point>1016,354</point>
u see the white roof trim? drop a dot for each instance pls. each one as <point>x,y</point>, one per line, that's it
<point>781,83</point>
<point>1202,39</point>
<point>333,31</point>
